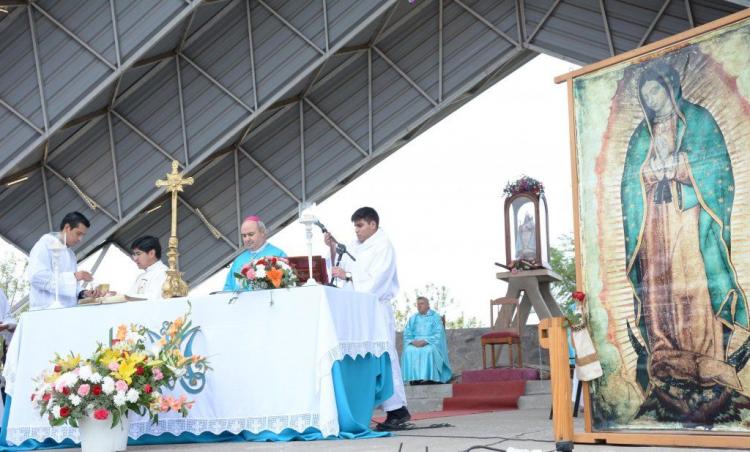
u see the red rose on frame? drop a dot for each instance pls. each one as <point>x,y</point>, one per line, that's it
<point>96,390</point>
<point>64,411</point>
<point>579,296</point>
<point>46,397</point>
<point>147,388</point>
<point>101,414</point>
<point>58,368</point>
<point>139,370</point>
<point>66,390</point>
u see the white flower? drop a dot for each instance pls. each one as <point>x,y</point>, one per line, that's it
<point>108,385</point>
<point>133,336</point>
<point>56,412</point>
<point>74,399</point>
<point>84,372</point>
<point>132,395</point>
<point>156,349</point>
<point>95,378</point>
<point>119,399</point>
<point>260,272</point>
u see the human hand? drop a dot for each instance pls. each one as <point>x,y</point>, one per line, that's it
<point>328,239</point>
<point>419,343</point>
<point>338,272</point>
<point>83,276</point>
<point>4,326</point>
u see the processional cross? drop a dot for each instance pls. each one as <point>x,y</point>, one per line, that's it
<point>174,286</point>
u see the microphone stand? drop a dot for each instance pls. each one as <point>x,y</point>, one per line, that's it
<point>337,250</point>
<point>340,251</point>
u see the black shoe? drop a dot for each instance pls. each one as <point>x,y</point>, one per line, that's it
<point>398,416</point>
<point>395,420</point>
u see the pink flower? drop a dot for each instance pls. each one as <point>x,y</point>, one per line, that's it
<point>250,274</point>
<point>121,386</point>
<point>113,366</point>
<point>101,414</point>
<point>83,390</point>
<point>157,374</point>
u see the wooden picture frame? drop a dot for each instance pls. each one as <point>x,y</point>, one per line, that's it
<point>552,333</point>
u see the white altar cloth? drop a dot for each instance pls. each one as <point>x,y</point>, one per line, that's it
<point>271,354</point>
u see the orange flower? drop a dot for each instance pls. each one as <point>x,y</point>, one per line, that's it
<point>122,332</point>
<point>275,275</point>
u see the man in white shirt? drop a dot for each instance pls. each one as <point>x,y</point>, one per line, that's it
<point>146,253</point>
<point>53,270</point>
<point>374,271</point>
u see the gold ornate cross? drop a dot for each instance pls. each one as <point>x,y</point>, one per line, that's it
<point>174,286</point>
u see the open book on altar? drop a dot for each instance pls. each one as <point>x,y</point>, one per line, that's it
<point>301,266</point>
<point>111,299</point>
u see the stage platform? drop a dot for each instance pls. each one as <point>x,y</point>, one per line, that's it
<point>524,430</point>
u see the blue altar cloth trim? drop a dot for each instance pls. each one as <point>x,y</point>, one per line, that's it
<point>360,385</point>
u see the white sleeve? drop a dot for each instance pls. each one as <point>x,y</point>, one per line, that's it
<point>374,275</point>
<point>42,278</point>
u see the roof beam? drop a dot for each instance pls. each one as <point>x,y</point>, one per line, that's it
<point>91,94</point>
<point>606,28</point>
<point>38,67</point>
<point>653,23</point>
<point>268,174</point>
<point>404,75</point>
<point>74,36</point>
<point>336,127</point>
<point>21,117</point>
<point>293,28</point>
<point>489,24</point>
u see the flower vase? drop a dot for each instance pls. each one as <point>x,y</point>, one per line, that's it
<point>99,435</point>
<point>121,434</point>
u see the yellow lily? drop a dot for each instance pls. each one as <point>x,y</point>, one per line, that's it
<point>108,356</point>
<point>70,362</point>
<point>126,370</point>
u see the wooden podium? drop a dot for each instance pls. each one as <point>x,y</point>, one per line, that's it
<point>301,266</point>
<point>535,286</point>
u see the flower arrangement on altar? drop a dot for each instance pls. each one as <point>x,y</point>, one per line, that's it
<point>124,376</point>
<point>524,184</point>
<point>267,273</point>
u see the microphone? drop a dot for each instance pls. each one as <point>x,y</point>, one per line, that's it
<point>321,226</point>
<point>341,250</point>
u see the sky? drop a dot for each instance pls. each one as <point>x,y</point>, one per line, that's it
<point>440,196</point>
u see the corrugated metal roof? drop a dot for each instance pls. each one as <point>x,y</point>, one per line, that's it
<point>326,90</point>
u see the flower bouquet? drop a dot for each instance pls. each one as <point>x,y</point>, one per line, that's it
<point>525,184</point>
<point>96,394</point>
<point>267,273</point>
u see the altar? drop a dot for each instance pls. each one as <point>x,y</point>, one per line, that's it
<point>303,363</point>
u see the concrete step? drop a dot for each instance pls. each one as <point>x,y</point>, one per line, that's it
<point>428,391</point>
<point>425,398</point>
<point>538,387</point>
<point>531,402</point>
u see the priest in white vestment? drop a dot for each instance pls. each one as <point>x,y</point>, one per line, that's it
<point>374,271</point>
<point>53,269</point>
<point>146,253</point>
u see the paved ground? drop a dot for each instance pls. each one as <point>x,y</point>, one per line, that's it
<point>517,431</point>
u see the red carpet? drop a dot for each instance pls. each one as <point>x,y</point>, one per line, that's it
<point>490,395</point>
<point>499,374</point>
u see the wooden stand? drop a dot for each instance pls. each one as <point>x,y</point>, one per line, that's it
<point>553,337</point>
<point>536,292</point>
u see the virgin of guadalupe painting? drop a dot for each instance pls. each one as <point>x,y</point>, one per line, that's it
<point>664,182</point>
